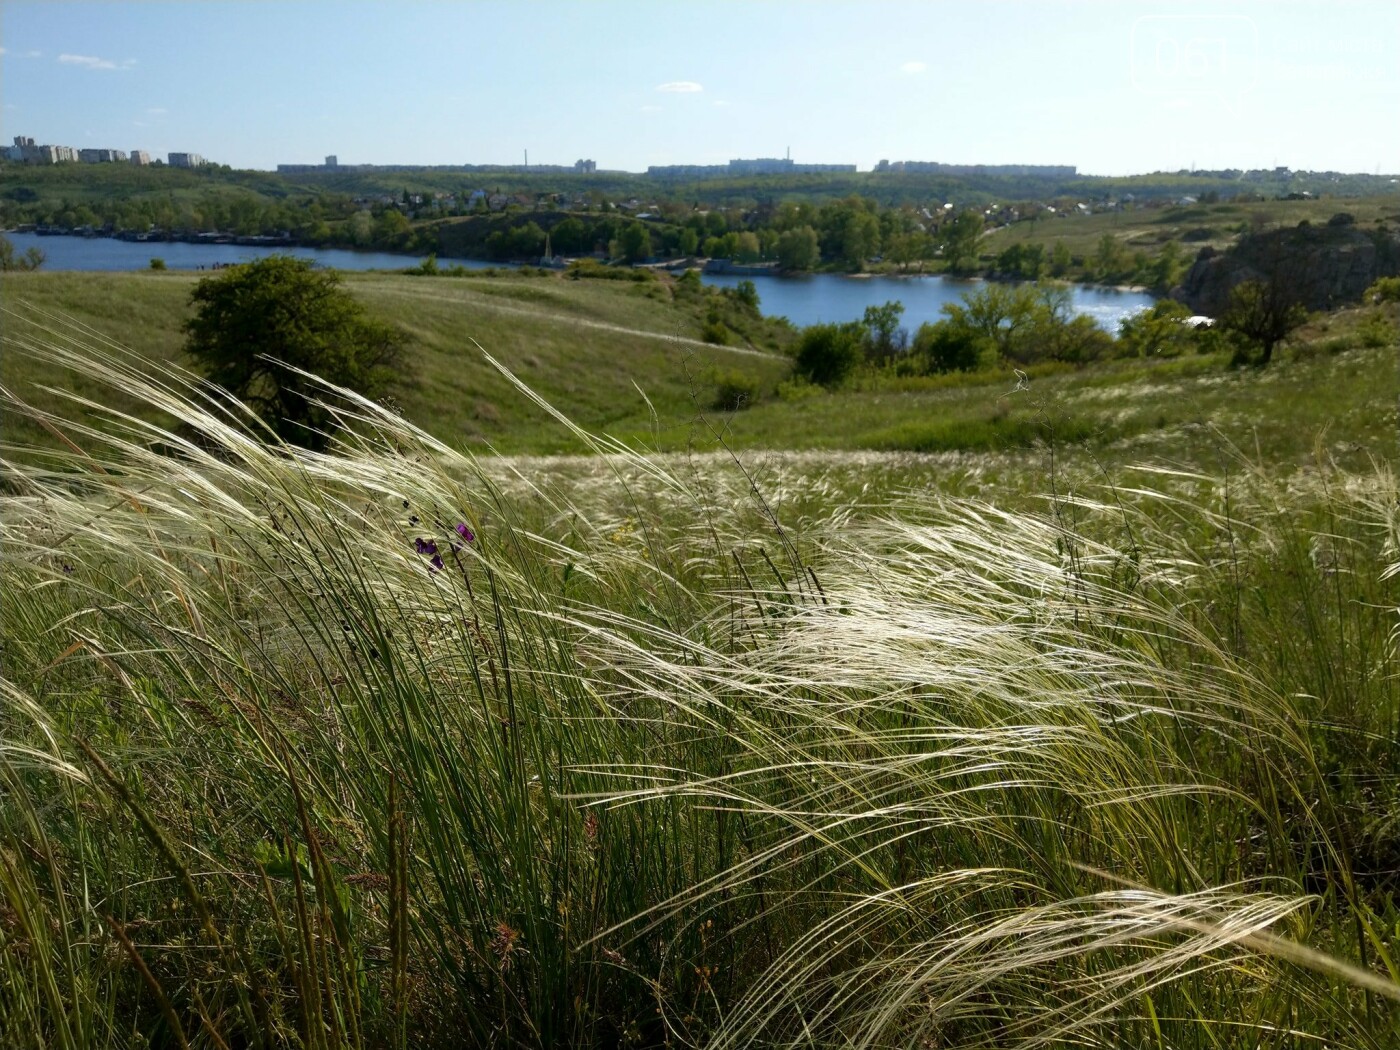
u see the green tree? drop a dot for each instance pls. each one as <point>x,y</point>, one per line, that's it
<point>1032,262</point>
<point>32,258</point>
<point>828,353</point>
<point>390,227</point>
<point>1110,258</point>
<point>1160,331</point>
<point>746,247</point>
<point>1165,270</point>
<point>960,241</point>
<point>257,323</point>
<point>883,336</point>
<point>797,249</point>
<point>360,229</point>
<point>860,238</point>
<point>634,243</point>
<point>1263,313</point>
<point>1060,260</point>
<point>942,347</point>
<point>569,237</point>
<point>688,241</point>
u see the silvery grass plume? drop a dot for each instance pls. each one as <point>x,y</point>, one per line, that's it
<point>390,745</point>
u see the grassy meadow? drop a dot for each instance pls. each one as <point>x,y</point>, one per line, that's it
<point>1010,711</point>
<point>580,343</point>
<point>1196,226</point>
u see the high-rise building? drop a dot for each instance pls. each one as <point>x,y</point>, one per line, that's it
<point>140,157</point>
<point>186,160</point>
<point>332,162</point>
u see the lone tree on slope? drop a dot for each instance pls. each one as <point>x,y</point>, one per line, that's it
<point>255,320</point>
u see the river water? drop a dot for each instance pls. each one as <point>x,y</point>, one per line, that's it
<point>810,299</point>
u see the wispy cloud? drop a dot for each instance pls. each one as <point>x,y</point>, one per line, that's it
<point>720,102</point>
<point>33,54</point>
<point>913,68</point>
<point>651,109</point>
<point>93,62</point>
<point>680,87</point>
<point>157,111</point>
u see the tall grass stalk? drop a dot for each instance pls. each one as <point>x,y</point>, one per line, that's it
<point>391,746</point>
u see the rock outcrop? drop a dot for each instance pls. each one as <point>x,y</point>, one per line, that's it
<point>1326,266</point>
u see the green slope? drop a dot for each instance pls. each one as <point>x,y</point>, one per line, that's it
<point>608,352</point>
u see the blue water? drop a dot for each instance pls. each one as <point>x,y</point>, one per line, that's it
<point>108,253</point>
<point>811,299</point>
<point>821,298</point>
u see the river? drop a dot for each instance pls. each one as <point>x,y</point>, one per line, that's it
<point>810,299</point>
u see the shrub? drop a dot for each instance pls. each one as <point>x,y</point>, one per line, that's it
<point>717,332</point>
<point>157,263</point>
<point>1385,290</point>
<point>942,347</point>
<point>592,268</point>
<point>828,353</point>
<point>32,258</point>
<point>734,391</point>
<point>1376,331</point>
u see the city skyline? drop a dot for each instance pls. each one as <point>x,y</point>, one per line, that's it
<point>1112,90</point>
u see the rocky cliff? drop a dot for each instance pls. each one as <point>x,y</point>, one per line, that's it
<point>1325,266</point>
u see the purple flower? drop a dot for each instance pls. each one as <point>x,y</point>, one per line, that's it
<point>436,563</point>
<point>465,532</point>
<point>423,546</point>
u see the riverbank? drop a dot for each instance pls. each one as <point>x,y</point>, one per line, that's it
<point>804,299</point>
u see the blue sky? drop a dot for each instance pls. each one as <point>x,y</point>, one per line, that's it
<point>1111,87</point>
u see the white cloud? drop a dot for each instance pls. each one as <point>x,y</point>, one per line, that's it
<point>913,68</point>
<point>93,62</point>
<point>720,102</point>
<point>651,109</point>
<point>33,54</point>
<point>157,111</point>
<point>680,87</point>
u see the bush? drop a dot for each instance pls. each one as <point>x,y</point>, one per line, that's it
<point>594,269</point>
<point>942,347</point>
<point>157,263</point>
<point>1385,290</point>
<point>734,391</point>
<point>746,293</point>
<point>1376,331</point>
<point>716,332</point>
<point>257,324</point>
<point>32,258</point>
<point>828,353</point>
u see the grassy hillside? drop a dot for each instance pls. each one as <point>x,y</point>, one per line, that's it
<point>596,347</point>
<point>1195,226</point>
